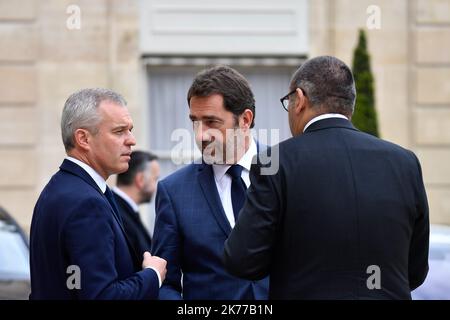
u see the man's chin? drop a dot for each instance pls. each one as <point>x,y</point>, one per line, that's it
<point>210,154</point>
<point>123,167</point>
<point>208,159</point>
<point>147,199</point>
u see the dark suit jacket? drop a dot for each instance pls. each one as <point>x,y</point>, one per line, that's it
<point>74,224</point>
<point>135,230</point>
<point>190,231</point>
<point>341,201</point>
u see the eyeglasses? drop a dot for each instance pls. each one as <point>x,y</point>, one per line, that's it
<point>285,99</point>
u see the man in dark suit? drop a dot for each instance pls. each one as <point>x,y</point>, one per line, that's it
<point>78,248</point>
<point>346,214</point>
<point>197,206</point>
<point>136,186</point>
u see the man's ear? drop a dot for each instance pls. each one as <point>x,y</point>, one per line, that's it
<point>300,101</point>
<point>82,138</point>
<point>139,180</point>
<point>246,119</point>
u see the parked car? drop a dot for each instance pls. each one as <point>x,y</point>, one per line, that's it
<point>14,259</point>
<point>437,283</point>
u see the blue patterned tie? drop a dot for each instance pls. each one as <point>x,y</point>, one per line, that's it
<point>238,189</point>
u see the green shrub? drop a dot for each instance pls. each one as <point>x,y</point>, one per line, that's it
<point>365,116</point>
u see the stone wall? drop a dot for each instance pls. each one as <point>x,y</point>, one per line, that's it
<point>42,62</point>
<point>411,64</point>
<point>430,100</point>
<point>19,130</point>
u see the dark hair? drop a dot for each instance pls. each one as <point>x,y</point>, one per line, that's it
<point>138,163</point>
<point>327,83</point>
<point>223,80</point>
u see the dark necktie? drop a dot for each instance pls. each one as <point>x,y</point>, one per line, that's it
<point>109,195</point>
<point>238,189</point>
<point>136,258</point>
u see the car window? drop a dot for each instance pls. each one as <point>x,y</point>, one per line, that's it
<point>13,254</point>
<point>437,283</point>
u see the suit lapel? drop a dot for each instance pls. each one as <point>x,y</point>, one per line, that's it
<point>75,169</point>
<point>133,215</point>
<point>208,186</point>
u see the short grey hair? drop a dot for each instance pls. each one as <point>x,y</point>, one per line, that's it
<point>81,112</point>
<point>328,84</point>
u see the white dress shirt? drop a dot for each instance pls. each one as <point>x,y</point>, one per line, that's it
<point>101,183</point>
<point>223,180</point>
<point>324,116</point>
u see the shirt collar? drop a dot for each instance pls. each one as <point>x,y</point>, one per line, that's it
<point>324,116</point>
<point>245,162</point>
<point>101,183</point>
<point>127,199</point>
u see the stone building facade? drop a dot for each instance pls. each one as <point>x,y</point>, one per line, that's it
<point>42,61</point>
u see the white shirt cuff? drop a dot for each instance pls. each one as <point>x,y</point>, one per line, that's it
<point>157,273</point>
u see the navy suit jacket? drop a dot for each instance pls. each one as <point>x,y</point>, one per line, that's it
<point>134,228</point>
<point>190,231</point>
<point>342,204</point>
<point>74,224</point>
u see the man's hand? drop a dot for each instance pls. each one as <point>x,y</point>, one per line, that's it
<point>155,262</point>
